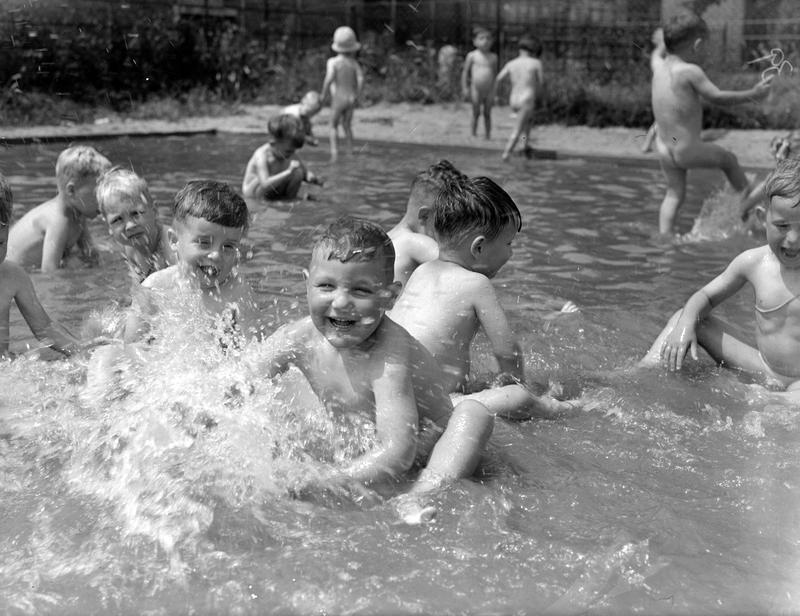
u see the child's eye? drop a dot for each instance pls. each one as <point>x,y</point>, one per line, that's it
<point>115,220</point>
<point>229,247</point>
<point>362,291</point>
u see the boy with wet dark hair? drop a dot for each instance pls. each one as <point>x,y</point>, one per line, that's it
<point>413,235</point>
<point>447,300</point>
<point>16,287</point>
<point>274,171</point>
<point>679,89</point>
<point>358,360</point>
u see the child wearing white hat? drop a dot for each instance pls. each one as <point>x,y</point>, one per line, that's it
<point>343,81</point>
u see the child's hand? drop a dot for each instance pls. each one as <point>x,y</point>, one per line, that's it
<point>677,342</point>
<point>294,164</point>
<point>313,178</point>
<point>763,87</point>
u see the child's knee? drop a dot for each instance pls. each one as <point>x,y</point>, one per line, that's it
<point>472,416</point>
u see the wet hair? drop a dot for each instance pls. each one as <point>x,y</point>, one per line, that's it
<point>121,181</point>
<point>350,239</point>
<point>212,201</point>
<point>435,177</point>
<point>683,27</point>
<point>287,127</point>
<point>78,163</point>
<point>472,205</point>
<point>6,201</point>
<point>784,180</point>
<point>531,45</point>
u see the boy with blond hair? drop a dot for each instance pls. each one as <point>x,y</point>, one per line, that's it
<point>344,80</point>
<point>46,234</point>
<point>526,76</point>
<point>358,360</point>
<point>274,171</point>
<point>447,300</point>
<point>477,80</point>
<point>413,235</point>
<point>306,109</point>
<point>773,271</point>
<point>679,88</point>
<point>131,216</point>
<point>16,287</point>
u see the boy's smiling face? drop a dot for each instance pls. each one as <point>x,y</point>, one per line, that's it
<point>782,224</point>
<point>131,220</point>
<point>206,251</point>
<point>347,301</point>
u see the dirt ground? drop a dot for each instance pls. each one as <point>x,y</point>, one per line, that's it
<point>442,124</point>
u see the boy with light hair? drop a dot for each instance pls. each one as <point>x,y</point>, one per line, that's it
<point>46,234</point>
<point>306,109</point>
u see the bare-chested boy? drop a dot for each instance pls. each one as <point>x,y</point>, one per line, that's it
<point>274,171</point>
<point>16,287</point>
<point>527,77</point>
<point>678,90</point>
<point>357,360</point>
<point>413,235</point>
<point>343,81</point>
<point>447,300</point>
<point>773,271</point>
<point>45,235</point>
<point>131,216</point>
<point>477,80</point>
<point>208,225</point>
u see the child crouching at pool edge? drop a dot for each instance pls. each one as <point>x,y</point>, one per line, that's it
<point>360,361</point>
<point>773,271</point>
<point>274,171</point>
<point>16,287</point>
<point>131,216</point>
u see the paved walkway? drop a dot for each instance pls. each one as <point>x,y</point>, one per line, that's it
<point>441,125</point>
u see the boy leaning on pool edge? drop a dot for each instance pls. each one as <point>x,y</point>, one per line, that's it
<point>357,360</point>
<point>773,271</point>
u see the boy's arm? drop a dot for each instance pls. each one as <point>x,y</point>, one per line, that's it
<point>493,319</point>
<point>396,419</point>
<point>706,88</point>
<point>53,246</point>
<point>53,334</point>
<point>501,75</point>
<point>683,336</point>
<point>359,80</point>
<point>326,83</point>
<point>465,74</point>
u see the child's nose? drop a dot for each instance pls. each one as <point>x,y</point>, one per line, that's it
<point>341,299</point>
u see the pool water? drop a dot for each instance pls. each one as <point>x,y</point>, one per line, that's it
<point>667,494</point>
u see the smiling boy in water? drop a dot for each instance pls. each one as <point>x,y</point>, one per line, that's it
<point>45,235</point>
<point>274,171</point>
<point>357,360</point>
<point>16,287</point>
<point>209,222</point>
<point>447,300</point>
<point>679,88</point>
<point>773,271</point>
<point>477,80</point>
<point>527,77</point>
<point>412,237</point>
<point>130,214</point>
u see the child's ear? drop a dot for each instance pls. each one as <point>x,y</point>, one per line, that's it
<point>476,247</point>
<point>761,214</point>
<point>172,236</point>
<point>423,214</point>
<point>70,190</point>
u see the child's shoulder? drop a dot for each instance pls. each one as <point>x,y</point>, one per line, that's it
<point>162,279</point>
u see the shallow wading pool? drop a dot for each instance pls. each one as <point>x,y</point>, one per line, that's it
<point>669,494</point>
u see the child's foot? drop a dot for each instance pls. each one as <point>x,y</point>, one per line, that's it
<point>413,510</point>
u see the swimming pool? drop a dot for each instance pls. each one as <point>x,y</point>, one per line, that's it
<point>671,494</point>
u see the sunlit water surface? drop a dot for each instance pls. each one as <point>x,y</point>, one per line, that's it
<point>668,494</point>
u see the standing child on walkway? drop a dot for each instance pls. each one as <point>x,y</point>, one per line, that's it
<point>273,171</point>
<point>16,287</point>
<point>447,300</point>
<point>413,235</point>
<point>477,80</point>
<point>131,216</point>
<point>344,80</point>
<point>773,271</point>
<point>46,234</point>
<point>359,361</point>
<point>527,78</point>
<point>678,90</point>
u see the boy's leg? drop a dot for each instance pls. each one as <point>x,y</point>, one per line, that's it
<point>676,193</point>
<point>459,449</point>
<point>291,186</point>
<point>334,133</point>
<point>518,402</point>
<point>476,109</point>
<point>487,117</point>
<point>523,125</point>
<point>347,125</point>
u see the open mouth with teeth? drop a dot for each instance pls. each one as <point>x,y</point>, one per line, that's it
<point>209,271</point>
<point>342,323</point>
